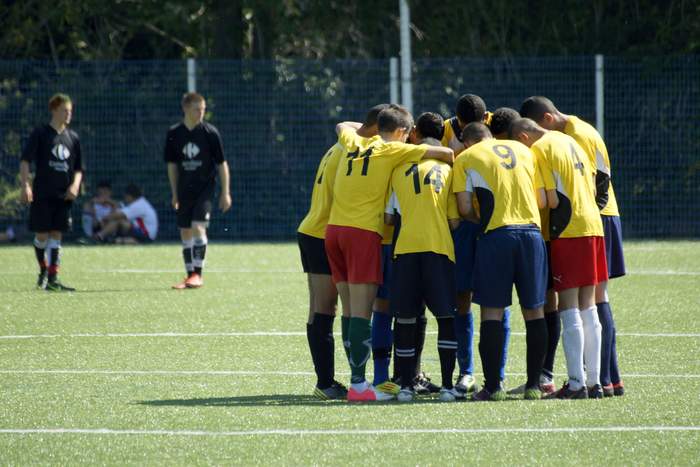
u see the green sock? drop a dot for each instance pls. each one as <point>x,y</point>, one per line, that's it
<point>344,326</point>
<point>359,335</point>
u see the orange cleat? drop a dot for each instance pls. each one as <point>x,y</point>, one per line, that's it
<point>181,285</point>
<point>194,281</point>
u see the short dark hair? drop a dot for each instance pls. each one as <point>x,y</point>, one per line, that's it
<point>393,117</point>
<point>470,108</point>
<point>134,191</point>
<point>371,117</point>
<point>522,124</point>
<point>57,100</point>
<point>475,131</point>
<point>534,107</point>
<point>104,184</point>
<point>501,119</point>
<point>191,97</point>
<point>430,125</point>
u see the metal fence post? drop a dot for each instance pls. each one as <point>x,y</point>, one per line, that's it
<point>191,75</point>
<point>599,95</point>
<point>393,80</point>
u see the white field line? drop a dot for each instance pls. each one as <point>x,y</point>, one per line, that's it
<point>270,334</point>
<point>259,373</point>
<point>292,432</point>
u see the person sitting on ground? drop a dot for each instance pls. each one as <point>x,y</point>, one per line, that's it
<point>137,222</point>
<point>95,210</point>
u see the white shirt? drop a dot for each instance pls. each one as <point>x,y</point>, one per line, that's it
<point>142,215</point>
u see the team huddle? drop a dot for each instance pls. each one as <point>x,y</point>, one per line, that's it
<point>438,214</point>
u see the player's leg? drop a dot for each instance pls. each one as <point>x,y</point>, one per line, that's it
<point>187,243</point>
<point>573,342</point>
<point>381,327</point>
<point>551,317</point>
<point>39,223</point>
<point>60,222</point>
<point>464,239</point>
<point>199,251</point>
<point>506,341</point>
<point>41,240</point>
<point>589,314</point>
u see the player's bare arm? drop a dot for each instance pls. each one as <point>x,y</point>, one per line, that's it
<point>225,196</point>
<point>466,207</point>
<point>552,199</point>
<point>74,188</point>
<point>25,184</point>
<point>354,126</point>
<point>541,198</point>
<point>440,153</point>
<point>172,178</point>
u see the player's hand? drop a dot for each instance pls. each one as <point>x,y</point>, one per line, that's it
<point>225,202</point>
<point>174,202</point>
<point>71,193</point>
<point>26,195</point>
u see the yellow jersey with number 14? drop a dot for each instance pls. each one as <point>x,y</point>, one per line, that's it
<point>362,180</point>
<point>501,173</point>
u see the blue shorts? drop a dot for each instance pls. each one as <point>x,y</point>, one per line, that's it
<point>387,261</point>
<point>510,256</point>
<point>613,246</point>
<point>420,279</point>
<point>464,238</point>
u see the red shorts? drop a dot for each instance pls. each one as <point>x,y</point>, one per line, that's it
<point>578,262</point>
<point>355,255</point>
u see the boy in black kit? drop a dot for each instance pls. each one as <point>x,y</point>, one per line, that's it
<point>55,151</point>
<point>194,154</point>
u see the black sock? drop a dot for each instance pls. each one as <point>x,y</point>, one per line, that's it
<point>536,340</point>
<point>421,323</point>
<point>553,334</point>
<point>40,254</point>
<point>447,349</point>
<point>187,258</point>
<point>54,255</point>
<point>606,344</point>
<point>491,350</point>
<point>199,251</point>
<point>325,349</point>
<point>405,348</point>
<point>313,349</point>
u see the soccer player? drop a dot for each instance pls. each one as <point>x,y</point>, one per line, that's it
<point>470,108</point>
<point>578,251</point>
<point>353,234</point>
<point>137,222</point>
<point>55,151</point>
<point>500,174</point>
<point>500,121</point>
<point>323,296</point>
<point>194,155</point>
<point>424,260</point>
<point>543,111</point>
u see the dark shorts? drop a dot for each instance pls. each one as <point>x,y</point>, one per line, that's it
<point>384,289</point>
<point>464,238</point>
<point>422,278</point>
<point>510,256</point>
<point>194,210</point>
<point>613,246</point>
<point>313,254</point>
<point>50,214</point>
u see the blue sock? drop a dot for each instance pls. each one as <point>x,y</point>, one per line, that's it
<point>606,347</point>
<point>506,340</point>
<point>464,332</point>
<point>381,345</point>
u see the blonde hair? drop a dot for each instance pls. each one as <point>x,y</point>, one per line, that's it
<point>57,100</point>
<point>191,98</point>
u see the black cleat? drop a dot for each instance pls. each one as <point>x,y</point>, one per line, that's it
<point>41,280</point>
<point>56,286</point>
<point>567,393</point>
<point>423,386</point>
<point>595,392</point>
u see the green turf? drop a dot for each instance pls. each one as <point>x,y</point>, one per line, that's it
<point>75,377</point>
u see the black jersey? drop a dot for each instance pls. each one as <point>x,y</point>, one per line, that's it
<point>197,153</point>
<point>56,157</point>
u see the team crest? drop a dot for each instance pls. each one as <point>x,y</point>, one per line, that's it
<point>190,150</point>
<point>60,152</point>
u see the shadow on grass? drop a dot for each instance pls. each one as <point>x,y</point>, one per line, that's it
<point>272,400</point>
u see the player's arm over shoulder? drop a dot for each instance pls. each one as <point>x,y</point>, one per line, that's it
<point>440,153</point>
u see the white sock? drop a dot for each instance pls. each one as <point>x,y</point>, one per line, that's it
<point>591,344</point>
<point>360,387</point>
<point>572,338</point>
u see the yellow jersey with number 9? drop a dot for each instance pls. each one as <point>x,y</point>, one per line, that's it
<point>501,173</point>
<point>362,179</point>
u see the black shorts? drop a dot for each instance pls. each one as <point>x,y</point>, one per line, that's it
<point>194,210</point>
<point>422,278</point>
<point>50,214</point>
<point>313,254</point>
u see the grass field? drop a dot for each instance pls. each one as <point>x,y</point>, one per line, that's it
<point>127,371</point>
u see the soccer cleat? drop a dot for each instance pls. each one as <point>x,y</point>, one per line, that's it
<point>608,390</point>
<point>450,395</point>
<point>595,391</point>
<point>41,280</point>
<point>465,384</point>
<point>423,386</point>
<point>517,390</point>
<point>369,394</point>
<point>389,387</point>
<point>334,392</point>
<point>547,388</point>
<point>619,389</point>
<point>567,393</point>
<point>56,286</point>
<point>405,395</point>
<point>194,281</point>
<point>532,393</point>
<point>181,285</point>
<point>486,395</point>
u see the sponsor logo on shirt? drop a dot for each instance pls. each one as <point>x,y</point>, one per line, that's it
<point>60,152</point>
<point>190,150</point>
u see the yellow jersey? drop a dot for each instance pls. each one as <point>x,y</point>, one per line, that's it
<point>362,179</point>
<point>590,140</point>
<point>539,184</point>
<point>501,173</point>
<point>450,137</point>
<point>566,169</point>
<point>423,197</point>
<point>314,224</point>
